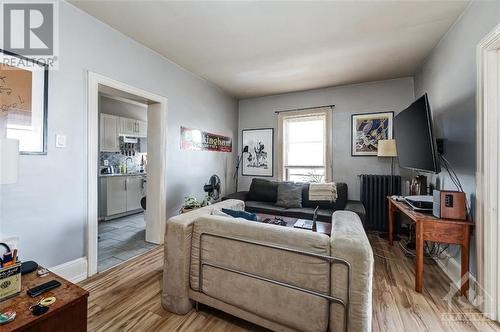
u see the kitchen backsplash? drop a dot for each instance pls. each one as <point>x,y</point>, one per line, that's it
<point>116,158</point>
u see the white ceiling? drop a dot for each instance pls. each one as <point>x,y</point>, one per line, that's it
<point>261,48</point>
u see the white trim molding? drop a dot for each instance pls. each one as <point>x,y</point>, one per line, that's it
<point>327,112</point>
<point>156,214</point>
<point>487,205</point>
<point>74,271</point>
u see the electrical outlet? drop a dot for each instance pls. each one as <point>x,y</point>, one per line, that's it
<point>106,162</point>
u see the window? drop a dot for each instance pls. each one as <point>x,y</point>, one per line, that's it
<point>305,146</point>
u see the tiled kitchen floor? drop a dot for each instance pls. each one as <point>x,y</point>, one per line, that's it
<point>121,239</point>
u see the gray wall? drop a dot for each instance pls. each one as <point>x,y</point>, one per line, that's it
<point>449,77</point>
<point>391,95</point>
<point>47,207</point>
<point>121,108</point>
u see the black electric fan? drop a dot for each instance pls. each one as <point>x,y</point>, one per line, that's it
<point>213,188</point>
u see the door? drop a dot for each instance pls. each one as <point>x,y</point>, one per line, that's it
<point>116,195</point>
<point>134,192</point>
<point>109,133</point>
<point>128,126</point>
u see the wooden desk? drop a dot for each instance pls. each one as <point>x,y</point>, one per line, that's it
<point>430,228</point>
<point>68,313</point>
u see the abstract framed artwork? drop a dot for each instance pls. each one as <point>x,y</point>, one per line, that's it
<point>258,161</point>
<point>23,102</point>
<point>367,129</point>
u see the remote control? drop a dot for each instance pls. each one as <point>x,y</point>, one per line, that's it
<point>40,289</point>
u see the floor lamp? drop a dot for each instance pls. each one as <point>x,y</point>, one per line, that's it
<point>240,159</point>
<point>387,149</point>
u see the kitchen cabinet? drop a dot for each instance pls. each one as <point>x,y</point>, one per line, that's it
<point>121,194</point>
<point>134,128</point>
<point>127,126</point>
<point>134,192</point>
<point>108,127</point>
<point>116,195</point>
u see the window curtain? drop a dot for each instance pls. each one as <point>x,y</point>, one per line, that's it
<point>327,112</point>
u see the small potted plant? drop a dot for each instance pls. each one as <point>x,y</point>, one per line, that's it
<point>192,203</point>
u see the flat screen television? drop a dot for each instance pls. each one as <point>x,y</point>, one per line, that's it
<point>415,141</point>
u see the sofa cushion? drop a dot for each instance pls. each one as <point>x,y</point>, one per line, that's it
<point>339,204</point>
<point>289,195</point>
<point>263,207</point>
<point>263,191</point>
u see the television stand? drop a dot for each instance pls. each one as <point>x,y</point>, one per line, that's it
<point>430,228</point>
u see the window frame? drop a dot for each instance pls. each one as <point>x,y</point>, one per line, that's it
<point>328,132</point>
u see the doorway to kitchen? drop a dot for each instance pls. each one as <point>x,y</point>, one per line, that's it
<point>122,178</point>
<point>126,187</point>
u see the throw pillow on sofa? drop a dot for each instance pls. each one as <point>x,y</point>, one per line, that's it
<point>240,214</point>
<point>289,195</point>
<point>262,190</point>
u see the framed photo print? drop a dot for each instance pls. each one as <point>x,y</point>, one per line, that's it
<point>258,161</point>
<point>367,129</point>
<point>23,102</point>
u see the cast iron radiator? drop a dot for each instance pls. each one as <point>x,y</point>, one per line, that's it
<point>374,191</point>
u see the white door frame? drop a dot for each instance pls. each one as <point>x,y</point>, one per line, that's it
<point>157,149</point>
<point>487,206</point>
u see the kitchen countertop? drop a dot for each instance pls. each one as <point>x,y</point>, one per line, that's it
<point>118,174</point>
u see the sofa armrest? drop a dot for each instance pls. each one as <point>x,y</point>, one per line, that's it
<point>178,234</point>
<point>241,195</point>
<point>177,249</point>
<point>358,208</point>
<point>349,242</point>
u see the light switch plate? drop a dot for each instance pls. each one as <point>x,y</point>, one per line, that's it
<point>60,141</point>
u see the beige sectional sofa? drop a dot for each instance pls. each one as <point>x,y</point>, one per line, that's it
<point>281,278</point>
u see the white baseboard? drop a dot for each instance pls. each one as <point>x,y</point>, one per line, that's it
<point>451,268</point>
<point>74,271</point>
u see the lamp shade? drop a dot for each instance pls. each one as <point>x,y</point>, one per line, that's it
<point>9,160</point>
<point>387,148</point>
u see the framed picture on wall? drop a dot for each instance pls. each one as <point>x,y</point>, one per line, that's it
<point>367,129</point>
<point>258,161</point>
<point>23,107</point>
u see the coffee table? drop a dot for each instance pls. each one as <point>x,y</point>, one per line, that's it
<point>321,227</point>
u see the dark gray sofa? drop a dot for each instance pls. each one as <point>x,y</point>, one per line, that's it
<point>262,196</point>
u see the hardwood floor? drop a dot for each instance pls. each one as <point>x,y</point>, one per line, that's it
<point>127,298</point>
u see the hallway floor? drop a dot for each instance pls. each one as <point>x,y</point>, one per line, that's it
<point>121,239</point>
